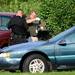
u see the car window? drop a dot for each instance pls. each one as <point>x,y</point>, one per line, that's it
<point>3,22</point>
<point>70,38</point>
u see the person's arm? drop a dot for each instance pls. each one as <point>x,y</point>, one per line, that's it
<point>30,20</point>
<point>10,23</point>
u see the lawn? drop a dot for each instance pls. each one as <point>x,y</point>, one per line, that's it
<point>50,73</point>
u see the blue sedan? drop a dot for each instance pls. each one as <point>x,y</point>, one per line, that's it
<point>41,56</point>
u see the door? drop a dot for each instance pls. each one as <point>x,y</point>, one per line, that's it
<point>4,32</point>
<point>65,50</point>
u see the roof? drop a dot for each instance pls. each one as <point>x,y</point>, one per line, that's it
<point>7,13</point>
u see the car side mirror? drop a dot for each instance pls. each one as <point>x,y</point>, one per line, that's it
<point>62,43</point>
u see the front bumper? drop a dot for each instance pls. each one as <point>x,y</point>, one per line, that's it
<point>9,63</point>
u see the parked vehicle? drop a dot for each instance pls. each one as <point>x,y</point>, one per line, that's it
<point>5,34</point>
<point>55,53</point>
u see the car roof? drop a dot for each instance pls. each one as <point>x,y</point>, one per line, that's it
<point>7,13</point>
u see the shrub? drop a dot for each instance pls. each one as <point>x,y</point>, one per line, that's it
<point>58,14</point>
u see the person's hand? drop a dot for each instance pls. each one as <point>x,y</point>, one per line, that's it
<point>42,28</point>
<point>37,19</point>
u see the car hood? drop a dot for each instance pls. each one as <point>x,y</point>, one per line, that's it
<point>23,46</point>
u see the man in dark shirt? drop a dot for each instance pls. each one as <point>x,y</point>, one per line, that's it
<point>18,26</point>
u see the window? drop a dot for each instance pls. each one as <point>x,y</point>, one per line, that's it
<point>70,38</point>
<point>3,22</point>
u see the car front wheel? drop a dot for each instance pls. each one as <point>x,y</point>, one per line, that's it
<point>35,63</point>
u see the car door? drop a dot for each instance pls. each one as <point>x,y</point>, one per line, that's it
<point>4,32</point>
<point>65,50</point>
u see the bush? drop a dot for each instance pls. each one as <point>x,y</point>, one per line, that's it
<point>58,14</point>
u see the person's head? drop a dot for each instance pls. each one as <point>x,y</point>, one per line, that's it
<point>19,13</point>
<point>33,15</point>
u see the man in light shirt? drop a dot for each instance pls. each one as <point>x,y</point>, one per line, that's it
<point>34,25</point>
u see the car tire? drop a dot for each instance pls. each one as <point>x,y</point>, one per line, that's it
<point>35,63</point>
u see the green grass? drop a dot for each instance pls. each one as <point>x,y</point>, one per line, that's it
<point>49,73</point>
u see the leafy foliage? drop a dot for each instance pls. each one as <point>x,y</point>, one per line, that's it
<point>58,14</point>
<point>14,5</point>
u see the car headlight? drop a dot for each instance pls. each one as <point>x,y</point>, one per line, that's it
<point>6,55</point>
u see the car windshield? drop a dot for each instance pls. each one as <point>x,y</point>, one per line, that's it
<point>3,22</point>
